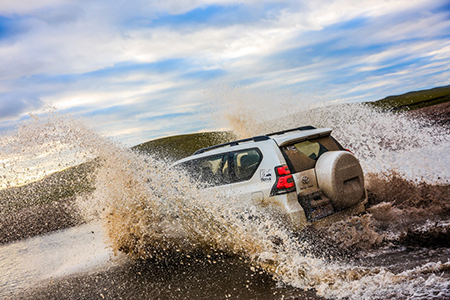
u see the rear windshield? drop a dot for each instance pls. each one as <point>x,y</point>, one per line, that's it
<point>303,156</point>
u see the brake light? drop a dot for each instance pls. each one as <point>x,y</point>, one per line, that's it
<point>349,151</point>
<point>284,182</point>
<point>283,170</point>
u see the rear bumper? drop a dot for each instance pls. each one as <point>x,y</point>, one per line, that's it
<point>299,221</point>
<point>339,216</point>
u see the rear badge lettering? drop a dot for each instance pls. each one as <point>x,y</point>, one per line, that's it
<point>266,175</point>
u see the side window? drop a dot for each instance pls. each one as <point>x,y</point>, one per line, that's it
<point>245,163</point>
<point>212,170</point>
<point>224,168</point>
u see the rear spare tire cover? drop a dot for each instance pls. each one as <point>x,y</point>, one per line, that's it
<point>341,178</point>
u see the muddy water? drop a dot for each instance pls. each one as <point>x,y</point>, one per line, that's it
<point>52,256</point>
<point>89,274</point>
<point>181,242</point>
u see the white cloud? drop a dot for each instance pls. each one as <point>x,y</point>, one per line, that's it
<point>107,98</point>
<point>79,37</point>
<point>93,41</point>
<point>29,6</point>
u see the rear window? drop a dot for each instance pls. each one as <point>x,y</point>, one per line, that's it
<point>246,162</point>
<point>303,155</point>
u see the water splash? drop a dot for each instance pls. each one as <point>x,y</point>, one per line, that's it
<point>153,211</point>
<point>150,210</point>
<point>42,145</point>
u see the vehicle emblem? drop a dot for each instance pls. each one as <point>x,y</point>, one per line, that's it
<point>266,175</point>
<point>305,179</point>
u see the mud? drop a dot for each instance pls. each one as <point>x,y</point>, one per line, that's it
<point>200,277</point>
<point>415,213</point>
<point>436,235</point>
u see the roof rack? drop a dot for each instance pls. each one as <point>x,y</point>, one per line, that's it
<point>234,143</point>
<point>309,127</point>
<point>258,138</point>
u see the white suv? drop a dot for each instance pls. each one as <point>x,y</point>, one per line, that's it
<point>303,174</point>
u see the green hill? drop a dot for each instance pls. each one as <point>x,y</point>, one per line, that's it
<point>173,148</point>
<point>414,100</point>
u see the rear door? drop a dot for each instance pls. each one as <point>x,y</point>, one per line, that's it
<point>246,174</point>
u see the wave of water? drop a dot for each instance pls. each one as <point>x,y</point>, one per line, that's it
<point>149,210</point>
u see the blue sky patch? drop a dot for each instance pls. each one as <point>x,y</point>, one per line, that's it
<point>9,27</point>
<point>215,15</point>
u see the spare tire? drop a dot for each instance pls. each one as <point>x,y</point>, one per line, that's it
<point>341,178</point>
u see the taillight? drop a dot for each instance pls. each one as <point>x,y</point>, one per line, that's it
<point>283,170</point>
<point>285,182</point>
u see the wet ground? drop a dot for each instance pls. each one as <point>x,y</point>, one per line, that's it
<point>226,278</point>
<point>75,264</point>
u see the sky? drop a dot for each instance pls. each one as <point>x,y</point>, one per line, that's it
<point>139,70</point>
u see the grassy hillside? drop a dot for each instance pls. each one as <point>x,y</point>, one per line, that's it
<point>414,100</point>
<point>176,147</point>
